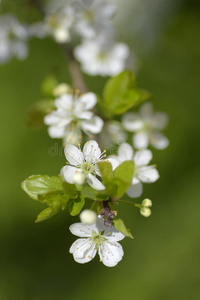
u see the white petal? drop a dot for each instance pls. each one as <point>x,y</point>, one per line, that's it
<point>113,235</point>
<point>82,230</point>
<point>89,100</point>
<point>65,102</point>
<point>110,253</point>
<point>132,122</point>
<point>91,151</point>
<point>51,119</point>
<point>56,132</point>
<point>120,51</point>
<point>125,152</point>
<point>140,140</point>
<point>148,174</point>
<point>95,183</point>
<point>73,155</point>
<point>142,157</point>
<point>68,173</point>
<point>114,162</point>
<point>159,120</point>
<point>83,250</point>
<point>158,140</point>
<point>135,189</point>
<point>93,125</point>
<point>146,109</point>
<point>85,115</point>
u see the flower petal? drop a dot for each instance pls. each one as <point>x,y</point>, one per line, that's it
<point>158,140</point>
<point>113,235</point>
<point>68,173</point>
<point>159,120</point>
<point>135,190</point>
<point>84,115</point>
<point>148,174</point>
<point>95,183</point>
<point>91,151</point>
<point>125,152</point>
<point>56,132</point>
<point>64,101</point>
<point>94,125</point>
<point>89,100</point>
<point>114,162</point>
<point>73,155</point>
<point>82,230</point>
<point>142,157</point>
<point>83,250</point>
<point>132,122</point>
<point>140,140</point>
<point>146,109</point>
<point>110,253</point>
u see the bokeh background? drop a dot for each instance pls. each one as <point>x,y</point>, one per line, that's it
<point>162,262</point>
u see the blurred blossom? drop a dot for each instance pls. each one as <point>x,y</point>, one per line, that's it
<point>13,38</point>
<point>112,133</point>
<point>93,17</point>
<point>97,238</point>
<point>73,116</point>
<point>146,126</point>
<point>97,58</point>
<point>143,172</point>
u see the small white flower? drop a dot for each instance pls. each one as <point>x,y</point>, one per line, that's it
<point>86,163</point>
<point>73,116</point>
<point>88,217</point>
<point>93,17</point>
<point>143,172</point>
<point>100,59</point>
<point>146,127</point>
<point>13,39</point>
<point>113,133</point>
<point>97,238</point>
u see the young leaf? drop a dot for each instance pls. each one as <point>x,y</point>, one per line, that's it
<point>45,214</point>
<point>70,190</point>
<point>106,172</point>
<point>36,185</point>
<point>75,206</point>
<point>120,226</point>
<point>54,200</point>
<point>93,194</point>
<point>123,176</point>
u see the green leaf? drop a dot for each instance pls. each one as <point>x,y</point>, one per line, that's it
<point>120,226</point>
<point>70,190</point>
<point>36,185</point>
<point>120,94</point>
<point>56,200</point>
<point>75,206</point>
<point>45,214</point>
<point>93,194</point>
<point>123,176</point>
<point>105,168</point>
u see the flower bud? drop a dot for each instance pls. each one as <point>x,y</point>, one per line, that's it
<point>147,203</point>
<point>145,211</point>
<point>60,89</point>
<point>88,216</point>
<point>79,178</point>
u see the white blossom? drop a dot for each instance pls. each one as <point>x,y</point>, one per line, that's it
<point>143,172</point>
<point>97,58</point>
<point>88,216</point>
<point>93,17</point>
<point>72,117</point>
<point>96,238</point>
<point>146,127</point>
<point>85,163</point>
<point>112,134</point>
<point>13,38</point>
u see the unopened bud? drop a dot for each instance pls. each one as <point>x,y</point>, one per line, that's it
<point>60,89</point>
<point>147,203</point>
<point>79,178</point>
<point>88,216</point>
<point>145,211</point>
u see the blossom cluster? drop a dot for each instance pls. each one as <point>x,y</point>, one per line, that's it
<point>86,122</point>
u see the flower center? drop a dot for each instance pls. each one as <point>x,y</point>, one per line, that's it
<point>97,238</point>
<point>87,168</point>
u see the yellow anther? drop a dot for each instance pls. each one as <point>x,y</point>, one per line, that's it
<point>89,256</point>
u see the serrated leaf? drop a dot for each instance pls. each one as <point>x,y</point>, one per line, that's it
<point>75,206</point>
<point>120,226</point>
<point>36,185</point>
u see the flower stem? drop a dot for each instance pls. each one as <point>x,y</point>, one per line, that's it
<point>130,203</point>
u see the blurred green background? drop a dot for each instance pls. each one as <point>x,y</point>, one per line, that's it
<point>162,262</point>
